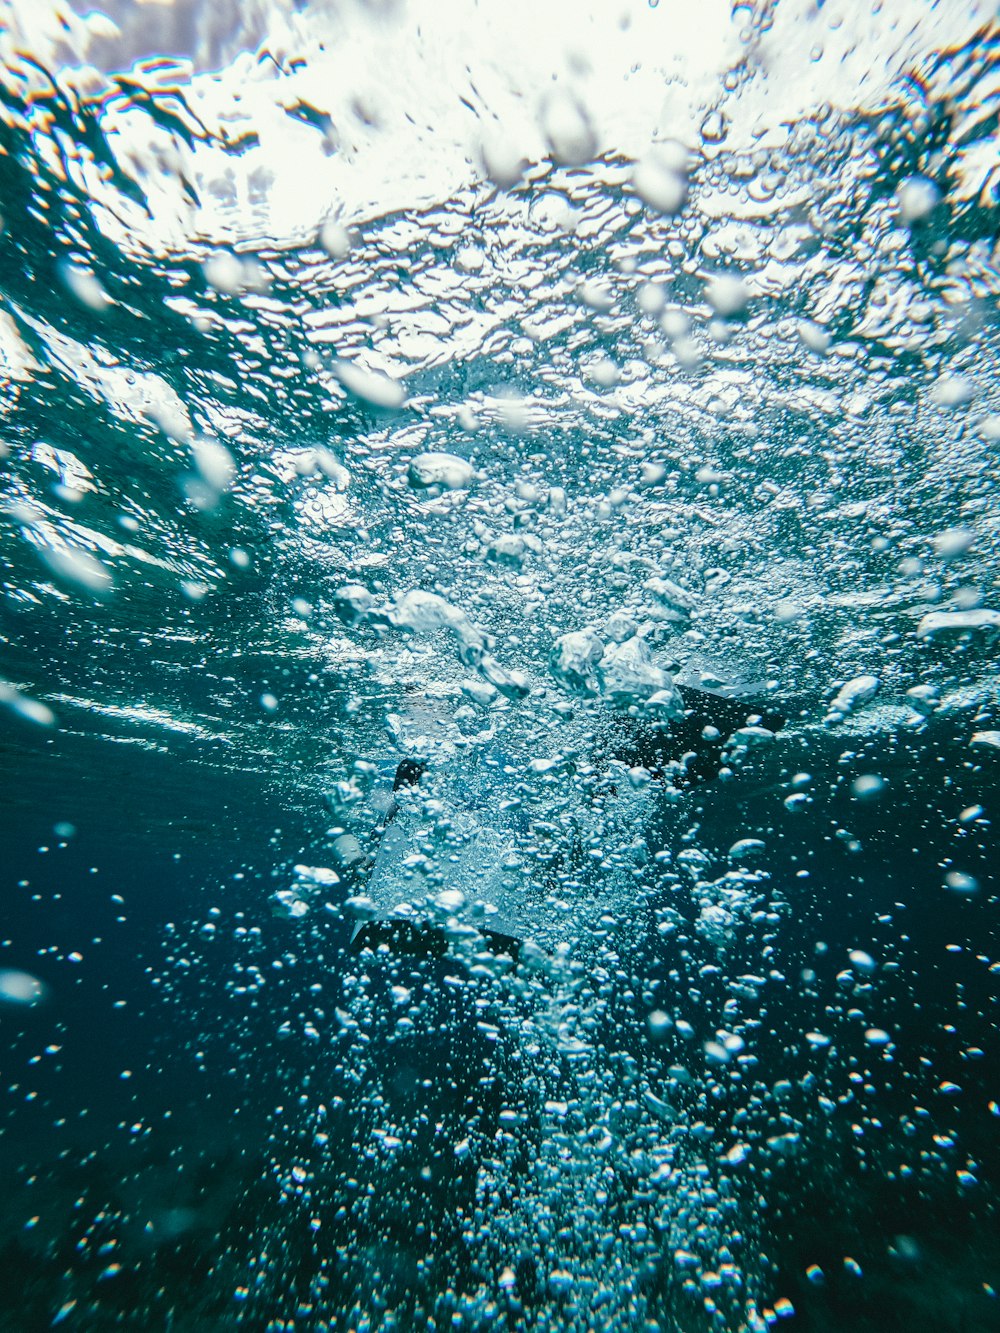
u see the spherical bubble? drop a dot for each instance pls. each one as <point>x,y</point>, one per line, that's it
<point>952,542</point>
<point>224,272</point>
<point>659,1024</point>
<point>659,180</point>
<point>864,962</point>
<point>335,239</point>
<point>959,882</point>
<point>501,160</point>
<point>951,391</point>
<point>371,386</point>
<point>568,130</point>
<point>650,299</point>
<point>21,988</point>
<point>74,566</point>
<point>440,469</point>
<point>727,294</point>
<point>917,198</point>
<point>814,336</point>
<point>214,463</point>
<point>86,287</point>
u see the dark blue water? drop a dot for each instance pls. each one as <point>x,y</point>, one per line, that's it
<point>153,1135</point>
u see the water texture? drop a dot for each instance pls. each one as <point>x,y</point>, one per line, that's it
<point>598,409</point>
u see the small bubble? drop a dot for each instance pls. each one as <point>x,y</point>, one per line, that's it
<point>864,962</point>
<point>917,198</point>
<point>952,542</point>
<point>20,988</point>
<point>335,240</point>
<point>371,386</point>
<point>85,287</point>
<point>714,128</point>
<point>560,1281</point>
<point>568,130</point>
<point>727,294</point>
<point>868,787</point>
<point>224,272</point>
<point>659,1024</point>
<point>76,567</point>
<point>959,882</point>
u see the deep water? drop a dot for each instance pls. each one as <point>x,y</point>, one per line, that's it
<point>158,1126</point>
<point>499,714</point>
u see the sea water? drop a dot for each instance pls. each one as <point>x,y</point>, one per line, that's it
<point>403,382</point>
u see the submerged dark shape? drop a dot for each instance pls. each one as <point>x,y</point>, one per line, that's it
<point>691,750</point>
<point>693,746</point>
<point>409,773</point>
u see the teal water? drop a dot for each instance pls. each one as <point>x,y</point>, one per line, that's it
<point>336,434</point>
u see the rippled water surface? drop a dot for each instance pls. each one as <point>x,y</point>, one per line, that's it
<point>598,409</point>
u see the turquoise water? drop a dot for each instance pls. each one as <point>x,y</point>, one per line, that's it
<point>391,384</point>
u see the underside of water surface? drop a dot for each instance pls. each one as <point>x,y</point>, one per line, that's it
<point>499,697</point>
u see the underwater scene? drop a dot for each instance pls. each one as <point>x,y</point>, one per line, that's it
<point>499,679</point>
